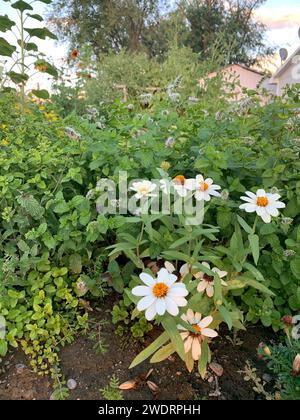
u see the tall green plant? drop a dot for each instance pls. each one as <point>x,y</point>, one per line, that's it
<point>24,54</point>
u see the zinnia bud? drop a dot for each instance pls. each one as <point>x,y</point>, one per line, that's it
<point>296,366</point>
<point>267,351</point>
<point>165,165</point>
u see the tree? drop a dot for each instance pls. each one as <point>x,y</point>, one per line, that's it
<point>229,26</point>
<point>104,24</point>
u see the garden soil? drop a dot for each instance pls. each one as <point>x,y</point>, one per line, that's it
<point>92,371</point>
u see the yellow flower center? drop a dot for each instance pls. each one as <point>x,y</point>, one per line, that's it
<point>179,179</point>
<point>196,328</point>
<point>160,290</point>
<point>203,186</point>
<point>262,201</point>
<point>144,190</point>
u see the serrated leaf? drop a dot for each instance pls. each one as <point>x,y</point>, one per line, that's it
<point>75,263</point>
<point>31,206</point>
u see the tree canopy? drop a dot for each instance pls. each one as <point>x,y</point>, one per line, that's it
<point>151,26</point>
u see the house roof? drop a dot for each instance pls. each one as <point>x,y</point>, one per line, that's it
<point>285,65</point>
<point>243,66</point>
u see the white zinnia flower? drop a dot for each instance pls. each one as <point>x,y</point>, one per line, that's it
<point>143,189</point>
<point>264,204</point>
<point>160,294</point>
<point>193,340</point>
<point>207,282</point>
<point>183,185</point>
<point>206,188</point>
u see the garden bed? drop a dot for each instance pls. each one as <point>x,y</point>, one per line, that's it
<point>92,371</point>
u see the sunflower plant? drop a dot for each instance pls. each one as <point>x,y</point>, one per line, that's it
<point>23,57</point>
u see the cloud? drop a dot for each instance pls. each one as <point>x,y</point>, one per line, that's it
<point>279,18</point>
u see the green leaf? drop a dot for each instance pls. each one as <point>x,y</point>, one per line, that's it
<point>163,353</point>
<point>29,46</point>
<point>75,263</point>
<point>170,326</point>
<point>61,207</point>
<point>17,77</point>
<point>204,359</point>
<point>226,316</point>
<point>42,94</point>
<point>174,255</point>
<point>160,341</point>
<point>117,280</point>
<point>261,287</point>
<point>31,206</point>
<point>257,274</point>
<point>3,348</point>
<point>6,49</point>
<point>36,17</point>
<point>2,327</point>
<point>21,5</point>
<point>49,241</point>
<point>244,225</point>
<point>41,33</point>
<point>5,23</point>
<point>295,267</point>
<point>254,245</point>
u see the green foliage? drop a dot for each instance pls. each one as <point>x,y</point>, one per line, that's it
<point>280,362</point>
<point>152,26</point>
<point>135,323</point>
<point>111,391</point>
<point>24,50</point>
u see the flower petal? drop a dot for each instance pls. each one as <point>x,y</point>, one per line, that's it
<point>160,306</point>
<point>210,290</point>
<point>196,349</point>
<point>170,267</point>
<point>163,275</point>
<point>188,344</point>
<point>141,291</point>
<point>171,306</point>
<point>150,312</point>
<point>205,321</point>
<point>208,332</point>
<point>202,286</point>
<point>147,279</point>
<point>145,302</point>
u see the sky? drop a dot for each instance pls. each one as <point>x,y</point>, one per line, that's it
<point>281,17</point>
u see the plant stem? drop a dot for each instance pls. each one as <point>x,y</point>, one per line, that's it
<point>22,57</point>
<point>139,241</point>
